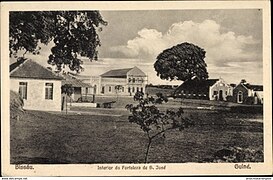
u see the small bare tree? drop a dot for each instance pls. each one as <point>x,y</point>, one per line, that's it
<point>118,88</point>
<point>153,121</point>
<point>68,90</point>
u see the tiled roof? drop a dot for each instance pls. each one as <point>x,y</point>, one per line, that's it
<point>74,82</point>
<point>195,85</point>
<point>30,69</point>
<point>118,73</point>
<point>254,87</point>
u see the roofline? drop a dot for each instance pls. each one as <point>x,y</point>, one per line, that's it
<point>19,66</point>
<point>39,65</point>
<point>114,76</point>
<point>216,80</point>
<point>129,69</point>
<point>45,68</point>
<point>85,84</point>
<point>242,85</point>
<point>18,77</point>
<point>145,75</point>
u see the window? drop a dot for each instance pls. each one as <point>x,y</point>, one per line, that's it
<point>141,89</point>
<point>110,89</point>
<point>133,89</point>
<point>129,80</point>
<point>137,89</point>
<point>102,90</point>
<point>23,89</point>
<point>48,90</point>
<point>215,92</point>
<point>134,80</point>
<point>129,89</point>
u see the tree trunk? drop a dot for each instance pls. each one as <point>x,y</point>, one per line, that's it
<point>66,103</point>
<point>147,150</point>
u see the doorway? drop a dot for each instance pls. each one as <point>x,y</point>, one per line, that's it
<point>221,95</point>
<point>240,97</point>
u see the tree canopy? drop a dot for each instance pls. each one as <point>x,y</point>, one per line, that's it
<point>74,34</point>
<point>182,62</point>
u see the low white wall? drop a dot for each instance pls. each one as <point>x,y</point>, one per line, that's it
<point>83,104</point>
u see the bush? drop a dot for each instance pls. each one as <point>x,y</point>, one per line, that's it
<point>16,104</point>
<point>237,154</point>
<point>230,99</point>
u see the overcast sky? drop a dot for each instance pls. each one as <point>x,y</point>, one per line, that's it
<point>232,40</point>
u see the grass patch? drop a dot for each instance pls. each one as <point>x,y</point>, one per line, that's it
<point>43,137</point>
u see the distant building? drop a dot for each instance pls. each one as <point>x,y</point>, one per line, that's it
<point>81,91</point>
<point>210,89</point>
<point>128,80</point>
<point>38,86</point>
<point>245,93</point>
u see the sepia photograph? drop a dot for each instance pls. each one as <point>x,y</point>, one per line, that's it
<point>129,90</point>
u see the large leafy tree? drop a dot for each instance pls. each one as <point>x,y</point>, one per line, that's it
<point>182,62</point>
<point>74,34</point>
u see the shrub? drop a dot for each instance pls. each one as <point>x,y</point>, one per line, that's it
<point>16,104</point>
<point>237,154</point>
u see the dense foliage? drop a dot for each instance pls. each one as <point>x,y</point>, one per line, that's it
<point>74,33</point>
<point>182,62</point>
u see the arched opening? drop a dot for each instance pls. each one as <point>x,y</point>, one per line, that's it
<point>240,97</point>
<point>221,95</point>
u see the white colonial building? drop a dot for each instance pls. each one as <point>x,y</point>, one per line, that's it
<point>38,86</point>
<point>123,81</point>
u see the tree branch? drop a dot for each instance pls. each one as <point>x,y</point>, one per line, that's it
<point>24,53</point>
<point>163,131</point>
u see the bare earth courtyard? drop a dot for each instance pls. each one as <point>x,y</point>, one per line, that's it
<point>82,136</point>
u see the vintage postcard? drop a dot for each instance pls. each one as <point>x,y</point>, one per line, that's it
<point>136,88</point>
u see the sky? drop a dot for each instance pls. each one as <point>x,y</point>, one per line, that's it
<point>232,40</point>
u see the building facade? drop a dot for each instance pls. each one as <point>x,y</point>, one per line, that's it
<point>210,89</point>
<point>81,91</point>
<point>245,93</point>
<point>220,90</point>
<point>120,81</point>
<point>39,87</point>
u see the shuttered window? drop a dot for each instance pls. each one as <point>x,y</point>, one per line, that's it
<point>48,90</point>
